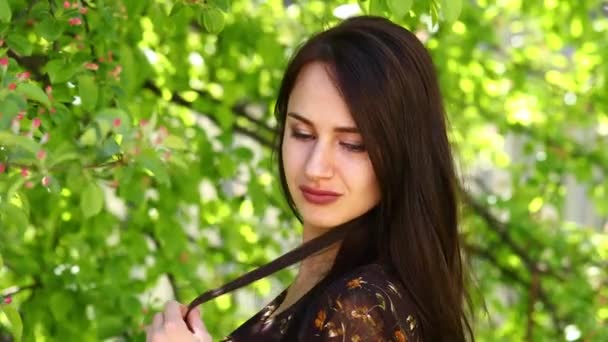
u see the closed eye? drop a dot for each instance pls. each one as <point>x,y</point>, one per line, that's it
<point>353,147</point>
<point>347,146</point>
<point>301,136</point>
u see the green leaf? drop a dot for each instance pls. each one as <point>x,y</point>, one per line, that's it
<point>33,92</point>
<point>5,12</point>
<point>224,5</point>
<point>175,142</point>
<point>89,137</point>
<point>49,28</point>
<point>150,161</point>
<point>87,90</point>
<point>399,7</point>
<point>15,320</point>
<point>9,139</point>
<point>19,44</point>
<point>451,9</point>
<point>60,71</point>
<point>377,7</point>
<point>14,217</point>
<point>213,20</point>
<point>91,201</point>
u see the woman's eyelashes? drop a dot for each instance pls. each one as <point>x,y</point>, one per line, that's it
<point>352,147</point>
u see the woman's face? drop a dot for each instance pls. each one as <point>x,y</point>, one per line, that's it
<point>328,171</point>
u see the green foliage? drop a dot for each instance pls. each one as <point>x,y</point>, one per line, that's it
<point>135,151</point>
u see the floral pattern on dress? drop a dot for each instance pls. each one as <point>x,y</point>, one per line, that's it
<point>367,304</point>
<point>365,307</point>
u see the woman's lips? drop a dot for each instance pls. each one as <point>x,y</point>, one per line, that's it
<point>316,196</point>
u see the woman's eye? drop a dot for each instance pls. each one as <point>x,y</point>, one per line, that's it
<point>301,136</point>
<point>353,147</point>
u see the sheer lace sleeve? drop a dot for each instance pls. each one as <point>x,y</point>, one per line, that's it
<point>367,306</point>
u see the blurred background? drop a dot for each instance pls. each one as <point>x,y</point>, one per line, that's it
<point>136,166</point>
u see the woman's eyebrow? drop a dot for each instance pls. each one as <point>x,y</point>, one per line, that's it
<point>336,129</point>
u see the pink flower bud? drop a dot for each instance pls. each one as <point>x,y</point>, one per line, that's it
<point>66,4</point>
<point>83,10</point>
<point>29,185</point>
<point>48,89</point>
<point>1,42</point>
<point>8,300</point>
<point>75,4</point>
<point>143,122</point>
<point>46,181</point>
<point>91,66</point>
<point>20,115</point>
<point>2,167</point>
<point>36,123</point>
<point>41,154</point>
<point>12,86</point>
<point>75,22</point>
<point>22,76</point>
<point>116,122</point>
<point>4,61</point>
<point>24,172</point>
<point>53,110</point>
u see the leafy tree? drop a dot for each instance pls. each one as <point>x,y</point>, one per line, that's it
<point>135,145</point>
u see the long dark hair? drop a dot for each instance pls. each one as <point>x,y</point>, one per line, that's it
<point>387,79</point>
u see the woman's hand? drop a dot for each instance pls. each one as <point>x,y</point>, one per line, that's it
<point>170,325</point>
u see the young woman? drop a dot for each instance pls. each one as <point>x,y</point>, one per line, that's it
<point>366,165</point>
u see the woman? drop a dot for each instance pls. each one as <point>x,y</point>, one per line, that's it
<point>366,165</point>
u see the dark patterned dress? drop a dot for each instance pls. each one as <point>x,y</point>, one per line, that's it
<point>367,304</point>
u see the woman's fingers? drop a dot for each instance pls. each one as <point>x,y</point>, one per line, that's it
<point>195,322</point>
<point>157,322</point>
<point>170,325</point>
<point>172,315</point>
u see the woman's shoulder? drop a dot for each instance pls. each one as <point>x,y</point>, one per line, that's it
<point>366,303</point>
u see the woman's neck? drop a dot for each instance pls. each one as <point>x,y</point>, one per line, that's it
<point>313,268</point>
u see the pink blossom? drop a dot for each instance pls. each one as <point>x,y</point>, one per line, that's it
<point>46,181</point>
<point>83,10</point>
<point>2,167</point>
<point>36,123</point>
<point>91,66</point>
<point>3,61</point>
<point>66,4</point>
<point>12,86</point>
<point>41,154</point>
<point>24,172</point>
<point>1,42</point>
<point>23,75</point>
<point>8,300</point>
<point>48,89</point>
<point>20,115</point>
<point>75,21</point>
<point>53,110</point>
<point>117,122</point>
<point>29,185</point>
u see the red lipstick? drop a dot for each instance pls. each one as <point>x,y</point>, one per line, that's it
<point>317,196</point>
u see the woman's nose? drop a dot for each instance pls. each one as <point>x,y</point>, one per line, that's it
<point>320,164</point>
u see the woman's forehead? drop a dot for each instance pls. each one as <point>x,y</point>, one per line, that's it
<point>316,98</point>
